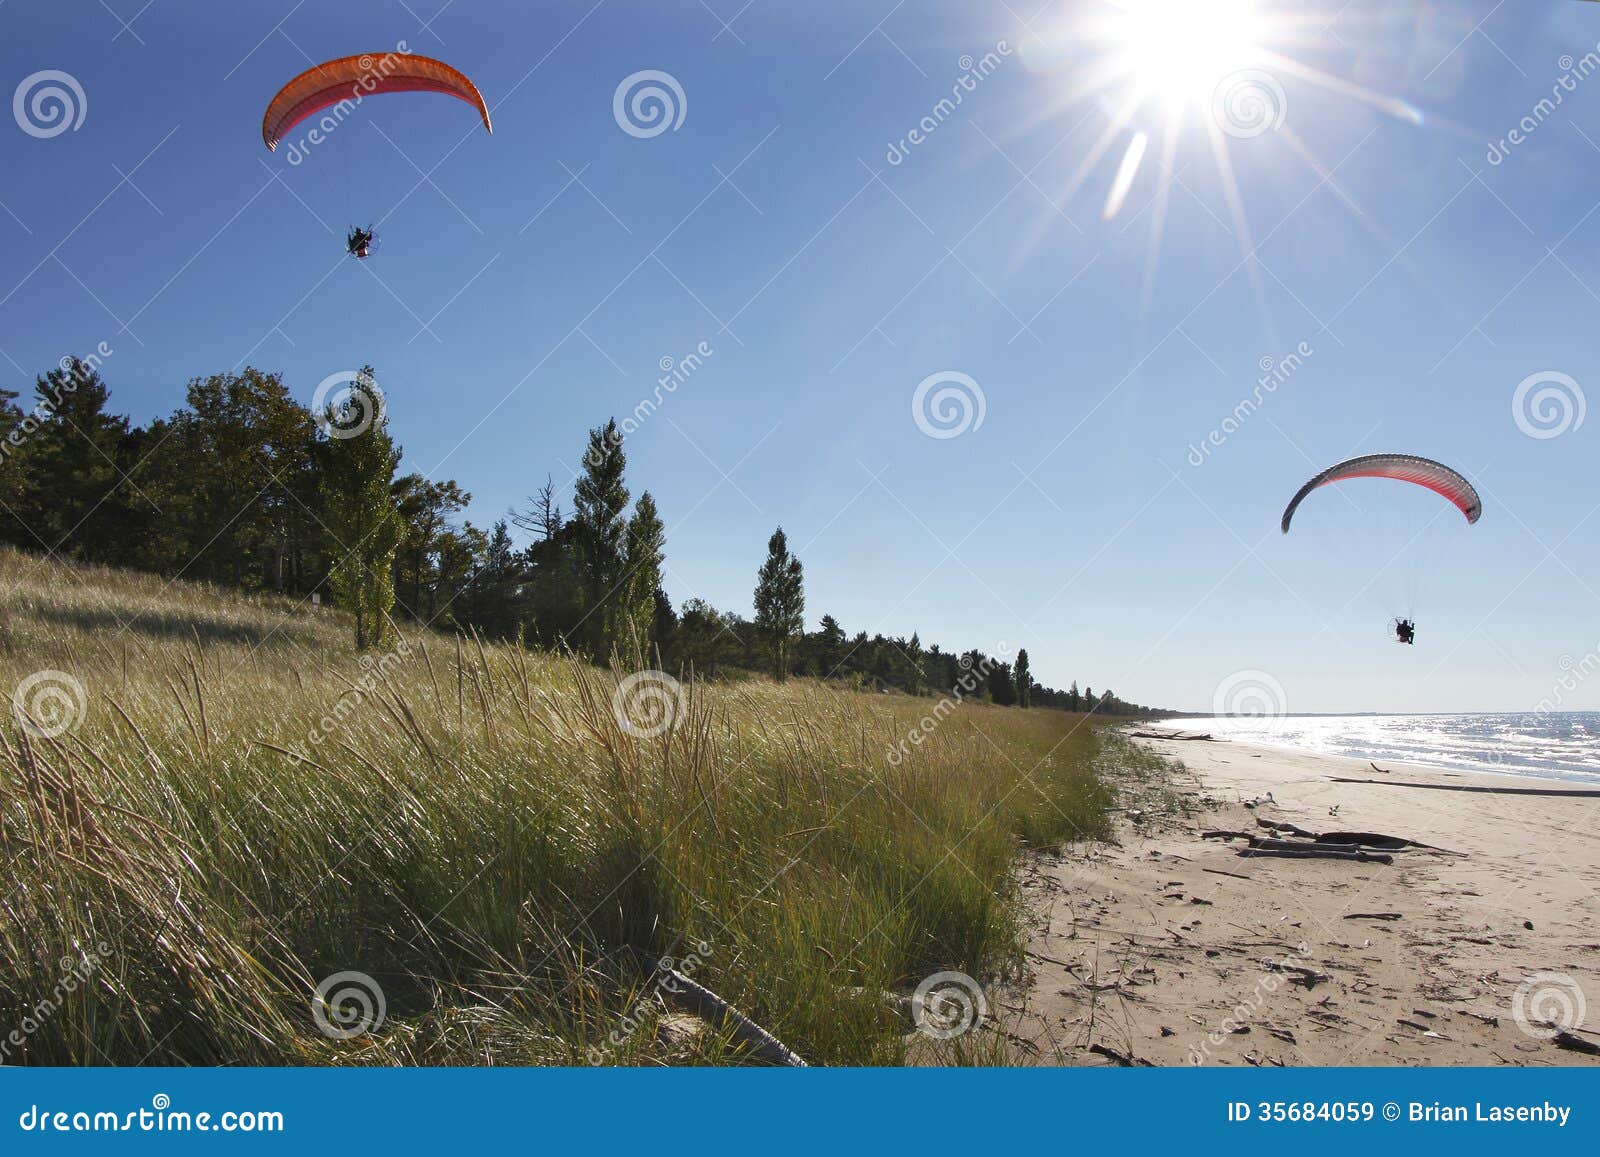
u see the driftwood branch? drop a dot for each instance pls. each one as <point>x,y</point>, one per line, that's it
<point>695,998</point>
<point>1318,852</point>
<point>1578,793</point>
<point>1126,1060</point>
<point>1375,840</point>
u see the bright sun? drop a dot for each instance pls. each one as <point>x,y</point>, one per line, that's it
<point>1177,51</point>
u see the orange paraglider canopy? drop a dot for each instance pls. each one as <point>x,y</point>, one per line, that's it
<point>354,78</point>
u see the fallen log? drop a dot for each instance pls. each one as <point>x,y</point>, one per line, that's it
<point>694,998</point>
<point>1310,852</point>
<point>1372,916</point>
<point>1363,839</point>
<point>1223,834</point>
<point>1308,845</point>
<point>1183,736</point>
<point>1220,872</point>
<point>1577,793</point>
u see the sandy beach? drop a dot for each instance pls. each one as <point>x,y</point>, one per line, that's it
<point>1168,948</point>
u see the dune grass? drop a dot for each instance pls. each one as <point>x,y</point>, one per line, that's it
<point>239,807</point>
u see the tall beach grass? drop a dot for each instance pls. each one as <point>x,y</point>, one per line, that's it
<point>210,805</point>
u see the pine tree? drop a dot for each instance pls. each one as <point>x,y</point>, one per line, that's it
<point>780,601</point>
<point>643,556</point>
<point>361,516</point>
<point>494,601</point>
<point>1001,687</point>
<point>76,500</point>
<point>1024,680</point>
<point>600,504</point>
<point>830,647</point>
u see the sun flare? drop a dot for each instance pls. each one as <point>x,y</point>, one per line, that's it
<point>1178,51</point>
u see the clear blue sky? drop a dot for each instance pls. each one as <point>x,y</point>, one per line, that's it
<point>558,261</point>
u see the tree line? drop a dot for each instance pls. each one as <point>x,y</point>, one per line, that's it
<point>246,487</point>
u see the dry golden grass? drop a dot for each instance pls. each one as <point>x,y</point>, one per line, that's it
<point>242,807</point>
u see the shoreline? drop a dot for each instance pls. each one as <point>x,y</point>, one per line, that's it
<point>1164,947</point>
<point>1197,724</point>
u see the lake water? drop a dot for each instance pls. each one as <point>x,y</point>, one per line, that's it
<point>1560,744</point>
